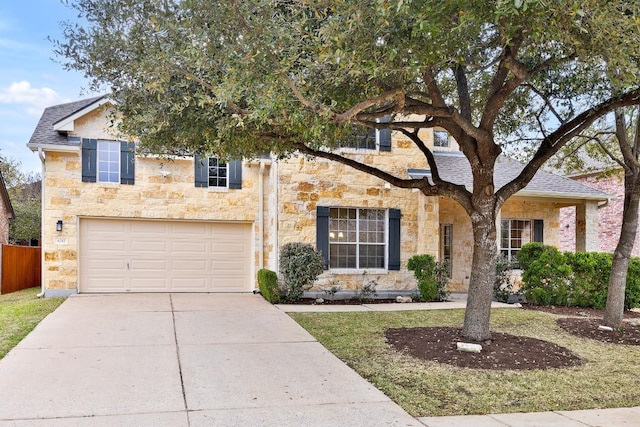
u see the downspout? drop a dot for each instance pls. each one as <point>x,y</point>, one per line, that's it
<point>261,215</point>
<point>42,199</point>
<point>276,205</point>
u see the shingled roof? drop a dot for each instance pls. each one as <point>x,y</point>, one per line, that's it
<point>5,197</point>
<point>44,132</point>
<point>454,167</point>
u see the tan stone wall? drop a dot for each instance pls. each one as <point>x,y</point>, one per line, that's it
<point>515,208</point>
<point>4,224</point>
<point>305,184</point>
<point>152,197</point>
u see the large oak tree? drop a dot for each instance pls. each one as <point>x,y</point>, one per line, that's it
<point>243,77</point>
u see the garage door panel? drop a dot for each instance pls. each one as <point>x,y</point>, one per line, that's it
<point>164,256</point>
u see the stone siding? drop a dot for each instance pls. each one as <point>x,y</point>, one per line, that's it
<point>153,196</point>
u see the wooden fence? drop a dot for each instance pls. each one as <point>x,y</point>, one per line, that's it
<point>20,268</point>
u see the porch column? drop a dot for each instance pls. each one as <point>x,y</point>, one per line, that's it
<point>499,230</point>
<point>587,227</point>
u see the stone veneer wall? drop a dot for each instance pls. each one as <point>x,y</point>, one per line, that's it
<point>610,216</point>
<point>4,223</point>
<point>152,196</point>
<point>305,184</point>
<point>515,208</point>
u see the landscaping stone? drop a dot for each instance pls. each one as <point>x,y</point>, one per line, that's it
<point>402,299</point>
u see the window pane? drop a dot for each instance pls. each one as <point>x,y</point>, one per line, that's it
<point>108,161</point>
<point>217,173</point>
<point>440,138</point>
<point>371,256</point>
<point>357,238</point>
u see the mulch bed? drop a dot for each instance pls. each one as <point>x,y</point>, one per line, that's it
<point>506,351</point>
<point>502,352</point>
<point>341,301</point>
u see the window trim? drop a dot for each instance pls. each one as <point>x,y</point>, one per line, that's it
<point>226,178</point>
<point>99,163</point>
<point>435,131</point>
<point>510,249</point>
<point>357,243</point>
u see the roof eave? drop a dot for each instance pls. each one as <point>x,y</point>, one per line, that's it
<point>569,195</point>
<point>67,124</point>
<point>54,147</point>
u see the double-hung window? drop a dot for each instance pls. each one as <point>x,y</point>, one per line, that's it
<point>514,234</point>
<point>108,161</point>
<point>357,238</point>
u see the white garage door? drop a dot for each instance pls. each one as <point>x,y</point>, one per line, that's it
<point>164,256</point>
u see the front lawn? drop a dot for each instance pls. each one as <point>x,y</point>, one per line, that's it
<point>20,312</point>
<point>609,377</point>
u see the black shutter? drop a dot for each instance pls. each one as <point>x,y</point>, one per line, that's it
<point>127,162</point>
<point>235,174</point>
<point>538,230</point>
<point>322,233</point>
<point>384,135</point>
<point>89,159</point>
<point>394,239</point>
<point>201,165</point>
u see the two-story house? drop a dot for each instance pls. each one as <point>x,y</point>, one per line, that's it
<point>114,221</point>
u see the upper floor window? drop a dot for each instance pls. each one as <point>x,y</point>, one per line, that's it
<point>361,141</point>
<point>217,173</point>
<point>108,161</point>
<point>440,138</point>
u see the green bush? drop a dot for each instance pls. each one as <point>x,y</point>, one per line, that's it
<point>589,278</point>
<point>300,265</point>
<point>268,284</point>
<point>432,277</point>
<point>548,271</point>
<point>529,253</point>
<point>574,279</point>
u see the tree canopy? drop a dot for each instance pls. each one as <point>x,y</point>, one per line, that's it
<point>25,195</point>
<point>240,78</point>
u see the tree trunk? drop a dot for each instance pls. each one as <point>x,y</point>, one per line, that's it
<point>477,315</point>
<point>614,310</point>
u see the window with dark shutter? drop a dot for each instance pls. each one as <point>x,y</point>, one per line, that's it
<point>322,233</point>
<point>235,174</point>
<point>89,159</point>
<point>394,239</point>
<point>384,135</point>
<point>127,163</point>
<point>538,230</point>
<point>201,171</point>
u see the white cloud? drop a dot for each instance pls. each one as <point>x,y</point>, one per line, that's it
<point>35,100</point>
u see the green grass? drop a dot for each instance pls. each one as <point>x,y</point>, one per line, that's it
<point>609,378</point>
<point>20,312</point>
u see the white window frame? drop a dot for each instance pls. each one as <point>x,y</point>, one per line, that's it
<point>508,235</point>
<point>358,244</point>
<point>209,177</point>
<point>441,131</point>
<point>107,148</point>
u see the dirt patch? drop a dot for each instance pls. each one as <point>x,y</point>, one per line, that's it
<point>588,328</point>
<point>502,352</point>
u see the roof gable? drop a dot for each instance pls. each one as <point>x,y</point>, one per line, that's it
<point>4,196</point>
<point>54,121</point>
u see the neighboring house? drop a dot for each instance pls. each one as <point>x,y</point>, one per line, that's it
<point>6,212</point>
<point>114,221</point>
<point>610,181</point>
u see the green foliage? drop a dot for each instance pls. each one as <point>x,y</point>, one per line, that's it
<point>528,253</point>
<point>368,289</point>
<point>432,277</point>
<point>25,194</point>
<point>502,286</point>
<point>574,279</point>
<point>548,272</point>
<point>300,265</point>
<point>268,284</point>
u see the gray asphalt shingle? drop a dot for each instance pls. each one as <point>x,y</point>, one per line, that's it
<point>454,167</point>
<point>44,132</point>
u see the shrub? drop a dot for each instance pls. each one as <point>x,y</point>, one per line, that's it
<point>549,272</point>
<point>502,286</point>
<point>300,265</point>
<point>529,253</point>
<point>268,284</point>
<point>632,292</point>
<point>589,278</point>
<point>432,277</point>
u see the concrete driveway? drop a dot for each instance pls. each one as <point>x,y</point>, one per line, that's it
<point>182,360</point>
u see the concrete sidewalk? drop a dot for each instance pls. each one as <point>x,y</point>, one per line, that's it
<point>182,360</point>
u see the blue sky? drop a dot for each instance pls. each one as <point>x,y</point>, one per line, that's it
<point>30,79</point>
